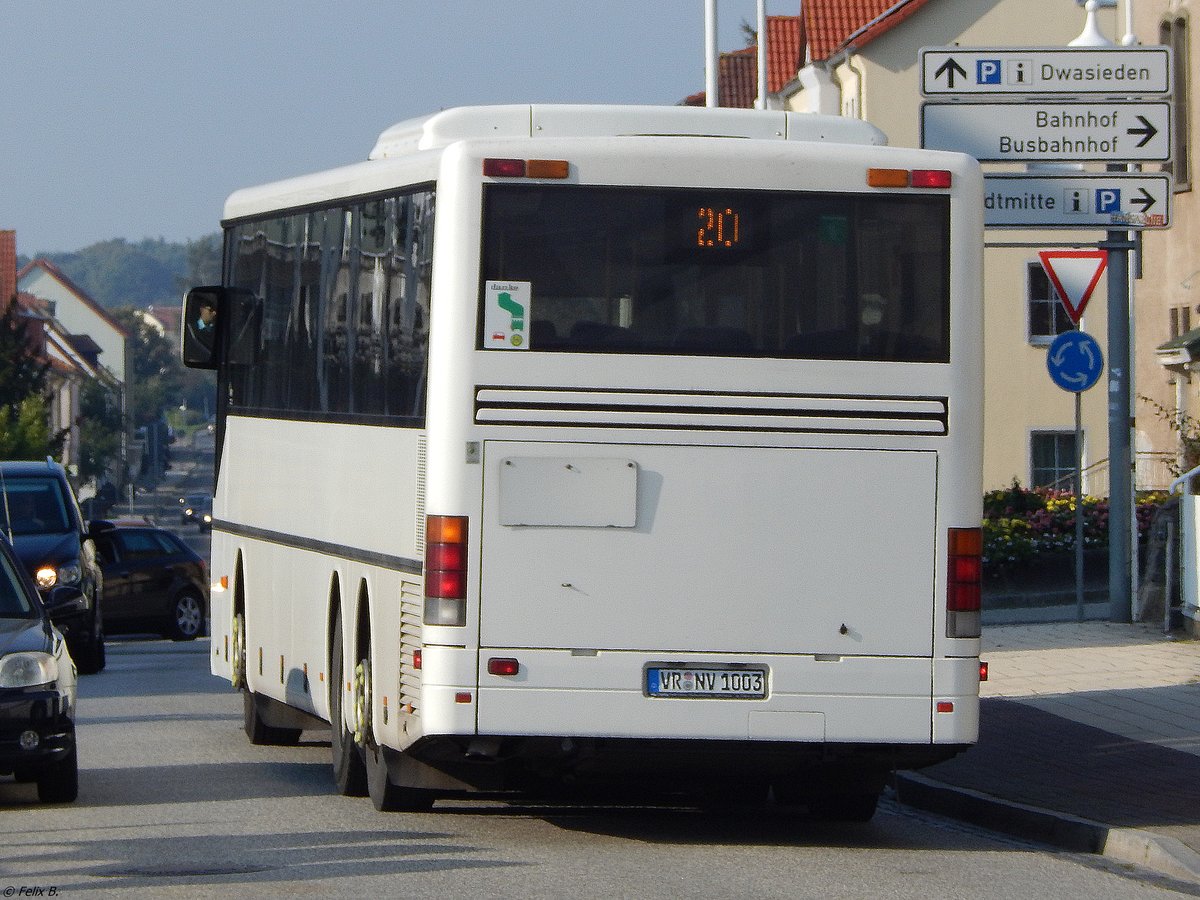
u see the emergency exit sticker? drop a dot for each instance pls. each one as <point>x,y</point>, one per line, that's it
<point>506,314</point>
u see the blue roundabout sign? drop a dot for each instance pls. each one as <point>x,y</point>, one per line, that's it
<point>1075,361</point>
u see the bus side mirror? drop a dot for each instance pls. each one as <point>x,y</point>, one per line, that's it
<point>201,322</point>
<point>220,325</point>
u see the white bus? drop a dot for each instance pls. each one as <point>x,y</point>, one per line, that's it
<point>604,447</point>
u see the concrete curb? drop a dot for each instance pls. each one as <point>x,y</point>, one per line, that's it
<point>1156,852</point>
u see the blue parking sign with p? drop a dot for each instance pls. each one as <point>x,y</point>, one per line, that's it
<point>1108,200</point>
<point>987,71</point>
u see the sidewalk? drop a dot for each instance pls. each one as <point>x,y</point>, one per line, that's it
<point>1089,740</point>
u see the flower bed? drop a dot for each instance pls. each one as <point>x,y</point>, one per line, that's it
<point>1022,525</point>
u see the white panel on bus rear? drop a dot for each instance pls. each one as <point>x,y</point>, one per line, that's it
<point>848,699</point>
<point>733,550</point>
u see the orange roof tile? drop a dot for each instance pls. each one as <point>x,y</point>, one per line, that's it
<point>785,50</point>
<point>737,81</point>
<point>832,25</point>
<point>8,267</point>
<point>737,71</point>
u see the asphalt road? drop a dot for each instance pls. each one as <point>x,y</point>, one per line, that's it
<point>175,802</point>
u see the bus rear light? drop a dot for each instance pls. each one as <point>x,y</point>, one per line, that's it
<point>444,557</point>
<point>983,670</point>
<point>446,529</point>
<point>887,177</point>
<point>504,168</point>
<point>964,581</point>
<point>445,570</point>
<point>499,665</point>
<point>931,178</point>
<point>462,697</point>
<point>526,168</point>
<point>945,706</point>
<point>446,585</point>
<point>547,168</point>
<point>918,178</point>
<point>417,660</point>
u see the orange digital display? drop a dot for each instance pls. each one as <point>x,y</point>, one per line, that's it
<point>717,227</point>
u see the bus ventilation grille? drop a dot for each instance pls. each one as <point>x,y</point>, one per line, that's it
<point>788,413</point>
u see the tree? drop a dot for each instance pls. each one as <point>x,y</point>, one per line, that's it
<point>100,430</point>
<point>25,432</point>
<point>203,263</point>
<point>24,408</point>
<point>156,382</point>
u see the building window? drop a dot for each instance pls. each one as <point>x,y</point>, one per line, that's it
<point>1174,34</point>
<point>1180,320</point>
<point>1047,316</point>
<point>1052,459</point>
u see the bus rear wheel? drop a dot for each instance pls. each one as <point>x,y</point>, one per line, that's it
<point>386,795</point>
<point>349,772</point>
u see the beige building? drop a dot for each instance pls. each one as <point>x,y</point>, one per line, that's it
<point>1168,294</point>
<point>862,61</point>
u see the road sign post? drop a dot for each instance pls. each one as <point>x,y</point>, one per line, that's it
<point>1081,104</point>
<point>1120,464</point>
<point>1075,362</point>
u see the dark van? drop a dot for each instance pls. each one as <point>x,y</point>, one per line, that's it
<point>42,520</point>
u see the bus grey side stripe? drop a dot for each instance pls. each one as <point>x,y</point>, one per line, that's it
<point>355,554</point>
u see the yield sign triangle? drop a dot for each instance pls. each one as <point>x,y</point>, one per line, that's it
<point>1074,274</point>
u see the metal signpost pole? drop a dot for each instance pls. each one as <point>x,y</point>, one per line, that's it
<point>1120,482</point>
<point>1075,362</point>
<point>1079,506</point>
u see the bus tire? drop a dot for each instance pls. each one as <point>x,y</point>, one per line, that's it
<point>385,794</point>
<point>349,771</point>
<point>237,665</point>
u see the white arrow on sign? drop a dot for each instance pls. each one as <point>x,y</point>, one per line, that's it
<point>1074,274</point>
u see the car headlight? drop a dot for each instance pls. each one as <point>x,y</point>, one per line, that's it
<point>19,670</point>
<point>49,576</point>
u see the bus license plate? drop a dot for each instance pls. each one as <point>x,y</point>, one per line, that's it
<point>706,681</point>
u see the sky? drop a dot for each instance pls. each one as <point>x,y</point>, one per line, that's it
<point>137,118</point>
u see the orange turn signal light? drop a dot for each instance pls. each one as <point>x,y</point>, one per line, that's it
<point>887,177</point>
<point>546,168</point>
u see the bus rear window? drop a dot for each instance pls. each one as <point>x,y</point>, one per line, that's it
<point>715,272</point>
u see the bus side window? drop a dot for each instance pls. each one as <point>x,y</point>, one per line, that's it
<point>245,327</point>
